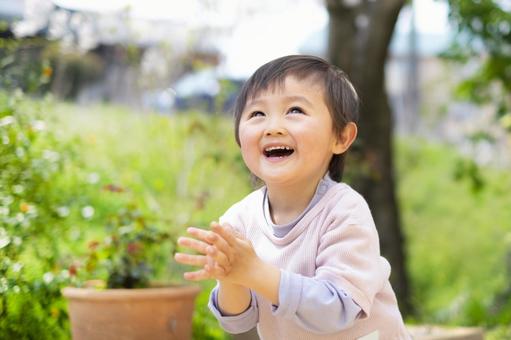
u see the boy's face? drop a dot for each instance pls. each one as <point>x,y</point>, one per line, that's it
<point>286,133</point>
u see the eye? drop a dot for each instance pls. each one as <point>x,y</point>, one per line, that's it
<point>296,110</point>
<point>256,114</point>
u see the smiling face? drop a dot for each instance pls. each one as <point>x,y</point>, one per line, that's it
<point>286,133</point>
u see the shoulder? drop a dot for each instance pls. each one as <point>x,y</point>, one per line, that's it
<point>242,209</point>
<point>346,204</point>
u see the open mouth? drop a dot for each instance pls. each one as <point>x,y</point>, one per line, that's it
<point>278,151</point>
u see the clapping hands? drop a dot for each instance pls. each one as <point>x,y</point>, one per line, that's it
<point>223,254</point>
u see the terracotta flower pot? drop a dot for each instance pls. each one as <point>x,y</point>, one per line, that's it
<point>430,332</point>
<point>131,314</point>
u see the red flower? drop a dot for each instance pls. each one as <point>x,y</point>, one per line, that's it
<point>93,245</point>
<point>133,247</point>
<point>73,270</point>
<point>113,188</point>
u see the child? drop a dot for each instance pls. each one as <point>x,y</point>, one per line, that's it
<point>299,257</point>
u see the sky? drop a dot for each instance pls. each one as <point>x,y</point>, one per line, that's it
<point>257,36</point>
<point>186,10</point>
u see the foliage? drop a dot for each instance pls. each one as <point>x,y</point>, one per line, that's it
<point>129,252</point>
<point>457,257</point>
<point>484,38</point>
<point>22,65</point>
<point>31,227</point>
<point>181,170</point>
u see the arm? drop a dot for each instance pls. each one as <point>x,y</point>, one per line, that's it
<point>238,323</point>
<point>232,298</point>
<point>315,305</point>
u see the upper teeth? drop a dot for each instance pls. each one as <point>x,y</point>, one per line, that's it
<point>271,148</point>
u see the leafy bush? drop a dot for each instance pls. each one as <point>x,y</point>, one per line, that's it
<point>455,236</point>
<point>31,224</point>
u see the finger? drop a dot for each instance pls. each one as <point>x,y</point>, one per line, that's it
<point>200,234</point>
<point>215,271</point>
<point>220,243</point>
<point>197,275</point>
<point>226,232</point>
<point>193,244</point>
<point>192,260</point>
<point>219,257</point>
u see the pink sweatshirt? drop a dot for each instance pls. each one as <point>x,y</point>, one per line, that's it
<point>335,241</point>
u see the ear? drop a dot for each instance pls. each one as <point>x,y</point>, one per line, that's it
<point>345,138</point>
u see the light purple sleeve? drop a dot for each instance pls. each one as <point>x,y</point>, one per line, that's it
<point>317,306</point>
<point>239,323</point>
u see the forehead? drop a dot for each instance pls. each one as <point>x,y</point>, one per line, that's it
<point>289,84</point>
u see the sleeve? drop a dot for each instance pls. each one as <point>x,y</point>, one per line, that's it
<point>317,306</point>
<point>349,256</point>
<point>235,324</point>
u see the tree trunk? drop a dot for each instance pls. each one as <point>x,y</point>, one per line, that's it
<point>360,33</point>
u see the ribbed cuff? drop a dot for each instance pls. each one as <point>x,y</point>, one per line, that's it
<point>238,323</point>
<point>290,294</point>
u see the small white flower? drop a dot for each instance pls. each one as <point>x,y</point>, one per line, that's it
<point>125,229</point>
<point>5,140</point>
<point>4,238</point>
<point>93,178</point>
<point>87,212</point>
<point>18,189</point>
<point>4,211</point>
<point>108,240</point>
<point>75,234</point>
<point>16,267</point>
<point>16,289</point>
<point>3,285</point>
<point>63,211</point>
<point>20,217</point>
<point>20,152</point>
<point>48,277</point>
<point>51,155</point>
<point>7,120</point>
<point>33,211</point>
<point>16,241</point>
<point>39,125</point>
<point>7,200</point>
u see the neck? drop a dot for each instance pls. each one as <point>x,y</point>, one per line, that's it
<point>287,202</point>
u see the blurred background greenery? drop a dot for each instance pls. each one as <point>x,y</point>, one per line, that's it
<point>140,117</point>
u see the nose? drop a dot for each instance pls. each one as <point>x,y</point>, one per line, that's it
<point>275,127</point>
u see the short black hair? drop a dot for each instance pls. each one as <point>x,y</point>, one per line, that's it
<point>340,95</point>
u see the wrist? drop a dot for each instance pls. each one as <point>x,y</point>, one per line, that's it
<point>264,278</point>
<point>230,285</point>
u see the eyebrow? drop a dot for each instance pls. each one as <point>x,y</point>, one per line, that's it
<point>287,98</point>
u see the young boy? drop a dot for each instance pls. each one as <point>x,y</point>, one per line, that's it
<point>299,257</point>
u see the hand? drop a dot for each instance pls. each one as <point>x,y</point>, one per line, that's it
<point>225,255</point>
<point>199,245</point>
<point>231,259</point>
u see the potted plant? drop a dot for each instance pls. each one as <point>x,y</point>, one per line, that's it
<point>126,303</point>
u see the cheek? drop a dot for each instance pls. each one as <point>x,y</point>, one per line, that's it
<point>248,144</point>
